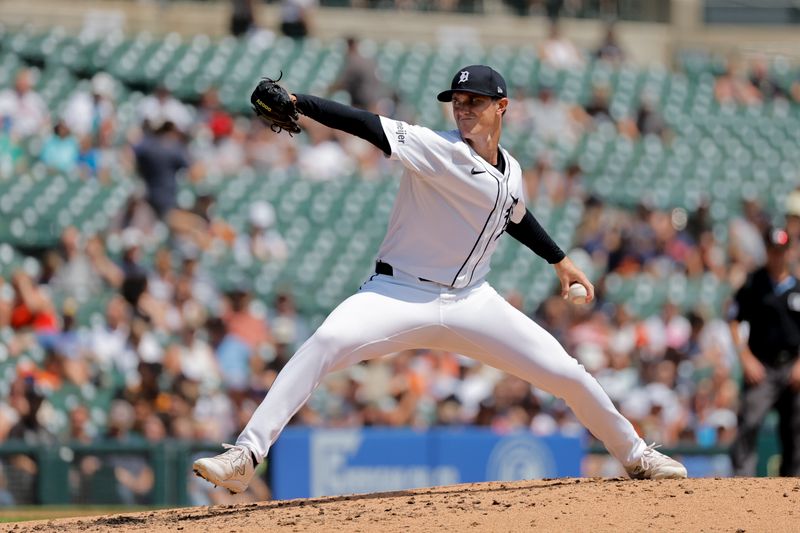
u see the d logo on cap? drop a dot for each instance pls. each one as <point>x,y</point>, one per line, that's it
<point>475,79</point>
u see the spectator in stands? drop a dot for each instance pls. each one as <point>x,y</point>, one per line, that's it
<point>106,344</point>
<point>135,285</point>
<point>745,242</point>
<point>554,121</point>
<point>111,158</point>
<point>226,154</point>
<point>137,213</point>
<point>81,430</point>
<point>75,275</point>
<point>648,119</point>
<point>63,351</point>
<point>267,150</point>
<point>212,117</point>
<point>558,186</point>
<point>11,153</point>
<point>599,106</point>
<point>8,419</point>
<point>559,52</point>
<point>288,326</point>
<point>297,17</point>
<point>134,282</point>
<point>89,159</point>
<point>571,187</point>
<point>543,180</point>
<point>161,108</point>
<point>764,82</point>
<point>84,267</point>
<point>25,108</point>
<point>518,112</point>
<point>6,497</point>
<point>162,279</point>
<point>9,416</point>
<point>159,158</point>
<point>202,287</point>
<point>27,401</point>
<point>358,78</point>
<point>733,88</point>
<point>199,363</point>
<point>323,158</point>
<point>143,348</point>
<point>232,355</point>
<point>133,475</point>
<point>33,309</point>
<point>61,151</point>
<point>87,112</point>
<point>262,242</point>
<point>794,90</point>
<point>241,321</point>
<point>609,49</point>
<point>243,17</point>
<point>200,227</point>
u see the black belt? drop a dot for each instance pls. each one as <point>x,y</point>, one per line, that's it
<point>387,270</point>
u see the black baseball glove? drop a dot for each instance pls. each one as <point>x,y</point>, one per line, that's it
<point>272,103</point>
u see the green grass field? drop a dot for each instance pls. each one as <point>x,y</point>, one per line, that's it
<point>47,512</point>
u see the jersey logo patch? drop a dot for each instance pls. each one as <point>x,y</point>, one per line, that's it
<point>476,171</point>
<point>464,76</point>
<point>507,215</point>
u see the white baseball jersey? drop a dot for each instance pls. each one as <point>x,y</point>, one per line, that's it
<point>451,207</point>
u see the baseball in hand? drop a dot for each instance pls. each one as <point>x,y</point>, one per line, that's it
<point>577,293</point>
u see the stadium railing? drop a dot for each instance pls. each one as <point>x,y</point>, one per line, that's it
<point>55,474</point>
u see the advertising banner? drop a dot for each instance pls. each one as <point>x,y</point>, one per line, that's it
<point>321,462</point>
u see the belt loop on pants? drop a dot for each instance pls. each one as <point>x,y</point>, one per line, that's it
<point>387,270</point>
<point>384,268</point>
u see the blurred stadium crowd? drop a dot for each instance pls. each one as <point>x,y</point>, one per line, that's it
<point>175,354</point>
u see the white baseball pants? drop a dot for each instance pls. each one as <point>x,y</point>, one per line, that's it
<point>394,313</point>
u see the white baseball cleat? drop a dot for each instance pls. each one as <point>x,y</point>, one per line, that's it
<point>232,469</point>
<point>656,465</point>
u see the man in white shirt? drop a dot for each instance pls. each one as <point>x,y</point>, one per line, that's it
<point>24,107</point>
<point>86,112</point>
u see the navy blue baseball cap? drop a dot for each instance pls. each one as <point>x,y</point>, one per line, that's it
<point>476,79</point>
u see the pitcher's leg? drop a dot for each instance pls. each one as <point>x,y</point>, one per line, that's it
<point>366,325</point>
<point>507,339</point>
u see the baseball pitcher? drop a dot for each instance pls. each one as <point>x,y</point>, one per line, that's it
<point>459,193</point>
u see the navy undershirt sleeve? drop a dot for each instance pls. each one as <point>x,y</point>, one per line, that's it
<point>529,232</point>
<point>344,118</point>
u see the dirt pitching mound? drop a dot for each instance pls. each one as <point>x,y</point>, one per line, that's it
<point>596,505</point>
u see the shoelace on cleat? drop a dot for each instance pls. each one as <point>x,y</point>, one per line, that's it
<point>236,455</point>
<point>649,454</point>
